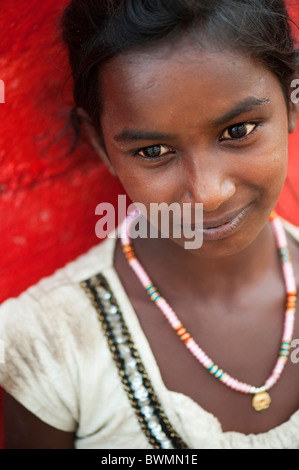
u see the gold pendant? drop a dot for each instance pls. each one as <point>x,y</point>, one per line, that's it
<point>261,401</point>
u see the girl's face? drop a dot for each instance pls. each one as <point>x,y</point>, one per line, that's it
<point>187,125</point>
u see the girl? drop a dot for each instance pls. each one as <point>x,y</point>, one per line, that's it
<point>143,343</point>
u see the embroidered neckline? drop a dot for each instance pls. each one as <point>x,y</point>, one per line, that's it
<point>133,375</point>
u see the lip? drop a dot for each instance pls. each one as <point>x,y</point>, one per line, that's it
<point>226,225</point>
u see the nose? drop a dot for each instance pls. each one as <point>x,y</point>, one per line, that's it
<point>212,186</point>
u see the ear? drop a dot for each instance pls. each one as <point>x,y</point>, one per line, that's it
<point>293,106</point>
<point>96,140</point>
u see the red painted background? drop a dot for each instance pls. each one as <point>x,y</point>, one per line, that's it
<point>47,196</point>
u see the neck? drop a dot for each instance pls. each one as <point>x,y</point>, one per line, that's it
<point>176,269</point>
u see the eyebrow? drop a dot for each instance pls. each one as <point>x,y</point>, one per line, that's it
<point>247,105</point>
<point>133,135</point>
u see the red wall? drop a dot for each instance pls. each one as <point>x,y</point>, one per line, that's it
<point>48,198</point>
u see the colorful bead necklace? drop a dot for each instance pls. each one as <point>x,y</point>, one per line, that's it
<point>261,399</point>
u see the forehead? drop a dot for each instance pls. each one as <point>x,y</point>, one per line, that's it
<point>182,80</point>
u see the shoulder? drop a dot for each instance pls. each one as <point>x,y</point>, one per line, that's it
<point>57,300</point>
<point>54,288</point>
<point>51,331</point>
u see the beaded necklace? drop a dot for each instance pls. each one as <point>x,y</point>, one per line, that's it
<point>261,398</point>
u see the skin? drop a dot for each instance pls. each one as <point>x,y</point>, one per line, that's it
<point>229,293</point>
<point>23,430</point>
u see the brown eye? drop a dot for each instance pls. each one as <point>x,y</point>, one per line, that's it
<point>155,151</point>
<point>238,131</point>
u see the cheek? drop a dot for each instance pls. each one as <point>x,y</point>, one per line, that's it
<point>265,166</point>
<point>274,174</point>
<point>148,185</point>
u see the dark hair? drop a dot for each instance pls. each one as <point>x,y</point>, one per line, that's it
<point>96,30</point>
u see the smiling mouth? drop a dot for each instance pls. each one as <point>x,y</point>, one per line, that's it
<point>222,227</point>
<point>234,216</point>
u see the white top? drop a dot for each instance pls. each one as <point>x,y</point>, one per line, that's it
<point>59,366</point>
